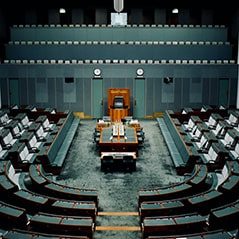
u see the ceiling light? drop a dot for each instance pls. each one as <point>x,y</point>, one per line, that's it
<point>175,10</point>
<point>62,10</point>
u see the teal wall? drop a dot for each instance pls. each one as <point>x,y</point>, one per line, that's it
<point>158,95</point>
<point>118,33</point>
<point>118,51</point>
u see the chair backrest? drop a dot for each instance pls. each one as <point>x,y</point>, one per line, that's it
<point>203,141</point>
<point>11,171</point>
<point>4,118</point>
<point>225,171</point>
<point>119,102</point>
<point>212,153</point>
<point>8,138</point>
<point>191,123</point>
<point>46,123</point>
<point>198,133</point>
<point>212,121</point>
<point>23,154</point>
<point>228,138</point>
<point>218,129</point>
<point>32,141</point>
<point>40,131</point>
<point>16,130</point>
<point>233,119</point>
<point>25,121</point>
<point>20,126</point>
<point>237,148</point>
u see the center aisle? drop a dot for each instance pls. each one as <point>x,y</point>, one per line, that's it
<point>117,225</point>
<point>118,190</point>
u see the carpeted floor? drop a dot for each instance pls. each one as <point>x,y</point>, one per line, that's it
<point>118,190</point>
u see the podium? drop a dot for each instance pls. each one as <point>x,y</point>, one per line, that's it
<point>118,103</point>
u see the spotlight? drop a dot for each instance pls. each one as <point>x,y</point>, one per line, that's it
<point>175,10</point>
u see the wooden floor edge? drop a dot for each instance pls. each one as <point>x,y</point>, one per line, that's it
<point>118,214</point>
<point>118,228</point>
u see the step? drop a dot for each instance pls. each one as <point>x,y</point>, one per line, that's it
<point>118,228</point>
<point>118,214</point>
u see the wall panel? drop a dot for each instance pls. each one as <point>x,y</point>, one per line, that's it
<point>158,98</point>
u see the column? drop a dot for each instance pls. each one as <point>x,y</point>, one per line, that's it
<point>136,16</point>
<point>160,16</point>
<point>183,16</point>
<point>53,16</point>
<point>31,16</point>
<point>207,17</point>
<point>77,16</point>
<point>100,16</point>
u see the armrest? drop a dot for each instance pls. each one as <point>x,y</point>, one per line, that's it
<point>18,135</point>
<point>228,146</point>
<point>7,146</point>
<point>34,150</point>
<point>41,138</point>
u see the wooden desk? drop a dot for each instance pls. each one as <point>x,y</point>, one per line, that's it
<point>118,114</point>
<point>118,142</point>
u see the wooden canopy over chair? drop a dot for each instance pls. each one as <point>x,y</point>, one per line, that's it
<point>118,103</point>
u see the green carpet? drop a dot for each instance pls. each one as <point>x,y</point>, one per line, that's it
<point>118,191</point>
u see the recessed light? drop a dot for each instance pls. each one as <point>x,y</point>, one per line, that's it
<point>62,10</point>
<point>175,10</point>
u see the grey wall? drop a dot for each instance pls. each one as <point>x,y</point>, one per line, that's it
<point>158,95</point>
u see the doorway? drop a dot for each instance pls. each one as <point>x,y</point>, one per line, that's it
<point>223,92</point>
<point>14,91</point>
<point>139,102</point>
<point>97,89</point>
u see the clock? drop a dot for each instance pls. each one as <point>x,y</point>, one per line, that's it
<point>97,72</point>
<point>140,72</point>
